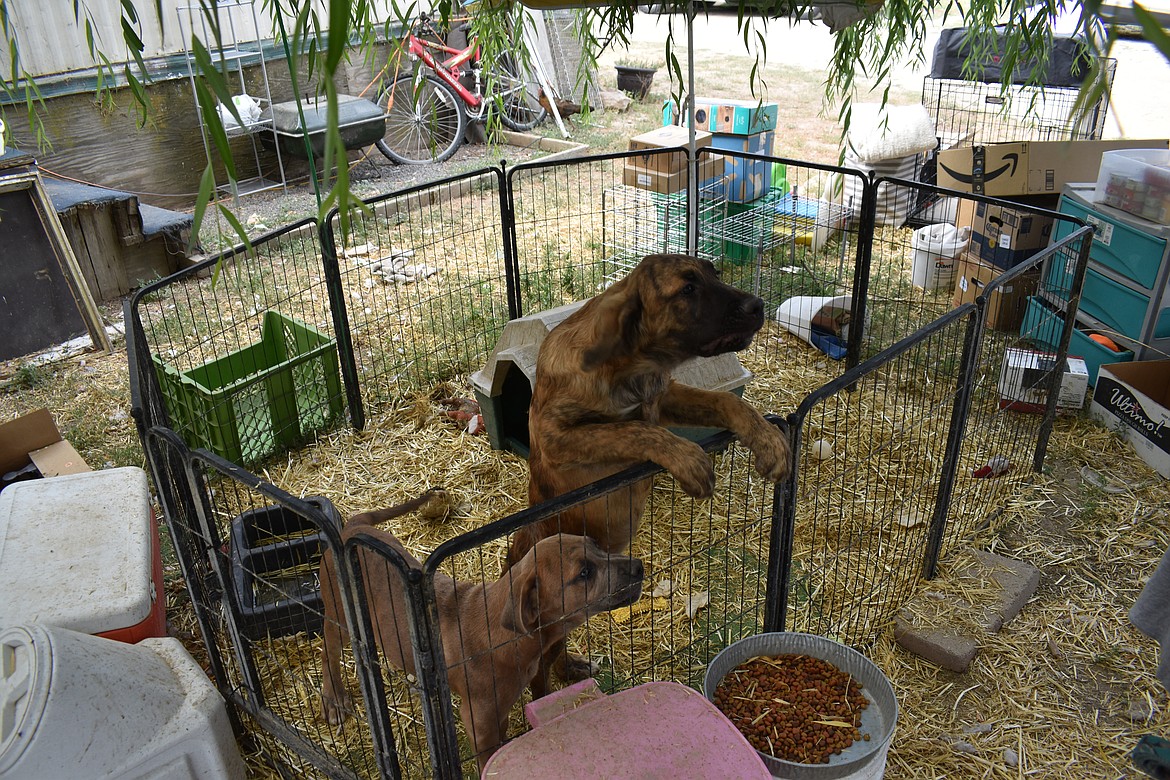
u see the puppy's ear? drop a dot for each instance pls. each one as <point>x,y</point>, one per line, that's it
<point>522,612</point>
<point>615,328</point>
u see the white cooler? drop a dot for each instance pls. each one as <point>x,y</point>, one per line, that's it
<point>81,551</point>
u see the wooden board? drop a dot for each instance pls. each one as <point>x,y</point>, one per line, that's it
<point>45,299</point>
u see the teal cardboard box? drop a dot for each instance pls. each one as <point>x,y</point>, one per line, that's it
<point>735,117</point>
<point>745,180</point>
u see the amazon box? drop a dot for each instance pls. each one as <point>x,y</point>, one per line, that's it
<point>1028,167</point>
<point>667,137</point>
<point>1134,400</point>
<point>1001,236</point>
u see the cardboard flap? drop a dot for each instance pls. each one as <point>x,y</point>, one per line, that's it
<point>35,437</point>
<point>57,459</point>
<point>23,435</point>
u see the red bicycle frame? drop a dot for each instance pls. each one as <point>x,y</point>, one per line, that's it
<point>450,69</point>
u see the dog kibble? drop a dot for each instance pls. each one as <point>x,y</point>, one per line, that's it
<point>793,707</point>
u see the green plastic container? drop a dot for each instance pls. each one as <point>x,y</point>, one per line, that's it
<point>1044,326</point>
<point>264,398</point>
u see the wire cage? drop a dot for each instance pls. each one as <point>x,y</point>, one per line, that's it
<point>889,439</point>
<point>972,113</point>
<point>966,113</point>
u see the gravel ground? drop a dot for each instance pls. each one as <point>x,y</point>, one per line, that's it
<point>371,174</point>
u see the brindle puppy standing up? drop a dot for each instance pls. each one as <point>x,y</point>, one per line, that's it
<point>604,393</point>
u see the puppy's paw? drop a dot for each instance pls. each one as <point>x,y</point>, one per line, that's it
<point>576,668</point>
<point>694,471</point>
<point>336,708</point>
<point>773,453</point>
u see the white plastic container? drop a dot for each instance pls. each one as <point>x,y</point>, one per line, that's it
<point>80,706</point>
<point>1137,181</point>
<point>861,760</point>
<point>935,249</point>
<point>798,315</point>
<point>81,551</point>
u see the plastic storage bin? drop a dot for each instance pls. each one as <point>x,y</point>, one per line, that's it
<point>275,559</point>
<point>360,123</point>
<point>1137,181</point>
<point>1043,325</point>
<point>260,399</point>
<point>81,551</point>
<point>1118,246</point>
<point>1120,307</point>
<point>80,706</point>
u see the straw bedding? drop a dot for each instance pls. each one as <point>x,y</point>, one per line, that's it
<point>1068,682</point>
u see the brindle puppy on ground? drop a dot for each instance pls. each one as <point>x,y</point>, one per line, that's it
<point>604,395</point>
<point>493,633</point>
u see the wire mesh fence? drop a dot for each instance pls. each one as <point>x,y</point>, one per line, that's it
<point>242,349</point>
<point>889,435</point>
<point>422,282</point>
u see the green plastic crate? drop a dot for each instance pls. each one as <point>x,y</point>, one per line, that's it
<point>264,398</point>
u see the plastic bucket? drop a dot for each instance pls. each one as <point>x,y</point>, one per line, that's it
<point>861,760</point>
<point>78,705</point>
<point>935,249</point>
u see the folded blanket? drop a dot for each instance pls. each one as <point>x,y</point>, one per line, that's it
<point>884,134</point>
<point>1151,614</point>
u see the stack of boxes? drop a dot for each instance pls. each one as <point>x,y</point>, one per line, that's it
<point>664,173</point>
<point>740,126</point>
<point>738,184</point>
<point>1033,174</point>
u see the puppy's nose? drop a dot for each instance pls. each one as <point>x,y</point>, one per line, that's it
<point>752,306</point>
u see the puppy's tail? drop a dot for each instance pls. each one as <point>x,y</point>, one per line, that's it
<point>376,516</point>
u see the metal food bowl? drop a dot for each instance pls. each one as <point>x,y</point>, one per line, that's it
<point>861,759</point>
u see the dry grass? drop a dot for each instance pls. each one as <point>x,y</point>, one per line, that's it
<point>1069,670</point>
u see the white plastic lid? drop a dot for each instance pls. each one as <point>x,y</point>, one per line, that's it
<point>25,671</point>
<point>76,551</point>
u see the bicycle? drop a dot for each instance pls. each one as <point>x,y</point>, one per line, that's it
<point>427,112</point>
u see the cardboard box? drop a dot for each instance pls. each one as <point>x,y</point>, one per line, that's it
<point>668,137</point>
<point>1134,399</point>
<point>34,438</point>
<point>1024,378</point>
<point>1028,167</point>
<point>667,183</point>
<point>736,117</point>
<point>745,180</point>
<point>1001,236</point>
<point>1007,304</point>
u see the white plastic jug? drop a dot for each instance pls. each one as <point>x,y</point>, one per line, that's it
<point>935,249</point>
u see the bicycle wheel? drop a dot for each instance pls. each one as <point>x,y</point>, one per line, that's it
<point>522,109</point>
<point>424,120</point>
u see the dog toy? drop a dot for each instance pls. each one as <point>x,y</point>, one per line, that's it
<point>625,614</point>
<point>993,468</point>
<point>464,410</point>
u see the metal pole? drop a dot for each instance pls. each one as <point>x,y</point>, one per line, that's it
<point>692,159</point>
